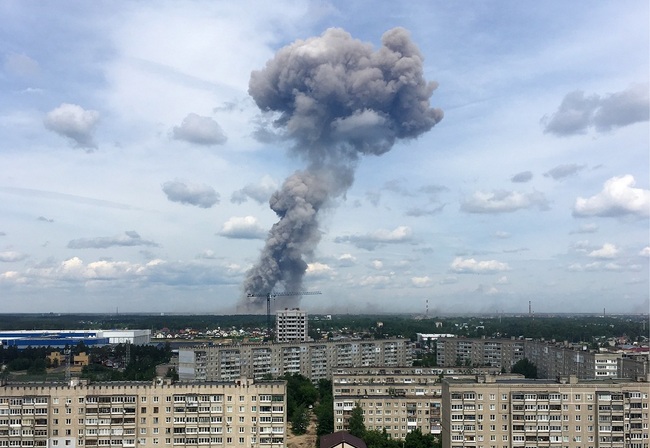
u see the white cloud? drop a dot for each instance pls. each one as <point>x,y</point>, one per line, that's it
<point>319,270</point>
<point>130,238</point>
<point>12,256</point>
<point>401,234</point>
<point>607,251</point>
<point>377,264</point>
<point>503,202</point>
<point>503,280</point>
<point>421,282</point>
<point>645,252</point>
<point>618,198</point>
<point>375,280</point>
<point>246,227</point>
<point>199,130</point>
<point>73,122</point>
<point>347,260</point>
<point>471,266</point>
<point>201,195</point>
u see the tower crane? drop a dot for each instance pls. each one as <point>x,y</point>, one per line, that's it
<point>269,295</point>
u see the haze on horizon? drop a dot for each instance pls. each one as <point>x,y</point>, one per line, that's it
<point>136,169</point>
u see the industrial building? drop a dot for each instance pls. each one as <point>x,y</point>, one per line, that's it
<point>504,412</point>
<point>240,413</point>
<point>62,338</point>
<point>314,360</point>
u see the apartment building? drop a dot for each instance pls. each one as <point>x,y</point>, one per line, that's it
<point>239,413</point>
<point>314,360</point>
<point>397,400</point>
<point>552,359</point>
<point>505,412</point>
<point>502,353</point>
<point>291,325</point>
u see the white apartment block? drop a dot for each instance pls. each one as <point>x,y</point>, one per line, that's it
<point>241,413</point>
<point>314,360</point>
<point>291,325</point>
<point>503,412</point>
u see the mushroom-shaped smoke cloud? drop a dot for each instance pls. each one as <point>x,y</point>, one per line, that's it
<point>336,98</point>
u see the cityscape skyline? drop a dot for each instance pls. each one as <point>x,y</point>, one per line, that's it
<point>136,170</point>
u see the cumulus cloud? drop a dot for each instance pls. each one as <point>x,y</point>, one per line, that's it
<point>502,235</point>
<point>502,201</point>
<point>578,112</point>
<point>562,171</point>
<point>347,260</point>
<point>421,282</point>
<point>401,234</point>
<point>522,177</point>
<point>618,198</point>
<point>245,227</point>
<point>645,252</point>
<point>472,266</point>
<point>74,122</point>
<point>130,238</point>
<point>260,192</point>
<point>199,130</point>
<point>201,195</point>
<point>154,271</point>
<point>606,252</point>
<point>12,256</point>
<point>319,270</point>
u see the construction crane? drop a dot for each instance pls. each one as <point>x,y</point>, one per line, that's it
<point>279,294</point>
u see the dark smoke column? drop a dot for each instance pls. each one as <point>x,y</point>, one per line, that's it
<point>336,98</point>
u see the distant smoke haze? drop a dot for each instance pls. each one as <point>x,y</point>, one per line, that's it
<point>335,98</point>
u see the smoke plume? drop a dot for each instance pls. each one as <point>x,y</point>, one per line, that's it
<point>335,98</point>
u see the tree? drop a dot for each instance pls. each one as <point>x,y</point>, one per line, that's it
<point>526,368</point>
<point>356,427</point>
<point>376,439</point>
<point>300,420</point>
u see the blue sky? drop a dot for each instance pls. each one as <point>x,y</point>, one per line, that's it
<point>136,169</point>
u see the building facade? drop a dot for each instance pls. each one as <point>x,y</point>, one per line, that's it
<point>552,359</point>
<point>291,325</point>
<point>314,360</point>
<point>397,400</point>
<point>505,412</point>
<point>502,353</point>
<point>62,338</point>
<point>240,413</point>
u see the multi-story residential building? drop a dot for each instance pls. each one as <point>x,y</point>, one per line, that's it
<point>552,359</point>
<point>397,400</point>
<point>314,360</point>
<point>241,413</point>
<point>503,353</point>
<point>291,325</point>
<point>505,412</point>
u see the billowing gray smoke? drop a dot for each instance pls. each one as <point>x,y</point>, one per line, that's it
<point>336,98</point>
